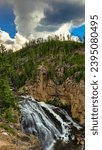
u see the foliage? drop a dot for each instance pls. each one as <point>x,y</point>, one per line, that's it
<point>7,127</point>
<point>10,115</point>
<point>2,48</point>
<point>21,66</point>
<point>6,99</point>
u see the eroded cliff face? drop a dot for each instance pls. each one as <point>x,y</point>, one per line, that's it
<point>69,92</point>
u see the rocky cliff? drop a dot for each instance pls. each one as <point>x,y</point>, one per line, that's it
<point>69,93</point>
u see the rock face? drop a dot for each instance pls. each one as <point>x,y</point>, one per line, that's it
<point>19,141</point>
<point>69,92</point>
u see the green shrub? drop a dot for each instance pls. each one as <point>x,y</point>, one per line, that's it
<point>7,128</point>
<point>9,115</point>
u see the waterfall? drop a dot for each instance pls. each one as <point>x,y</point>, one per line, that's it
<point>47,122</point>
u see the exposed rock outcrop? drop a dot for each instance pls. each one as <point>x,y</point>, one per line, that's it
<point>69,92</point>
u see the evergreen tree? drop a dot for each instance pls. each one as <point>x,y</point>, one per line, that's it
<point>2,48</point>
<point>6,98</point>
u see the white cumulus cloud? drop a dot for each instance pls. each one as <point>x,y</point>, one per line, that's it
<point>10,43</point>
<point>4,36</point>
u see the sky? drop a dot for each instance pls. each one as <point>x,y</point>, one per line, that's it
<point>22,20</point>
<point>78,31</point>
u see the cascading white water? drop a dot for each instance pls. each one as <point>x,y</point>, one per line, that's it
<point>46,121</point>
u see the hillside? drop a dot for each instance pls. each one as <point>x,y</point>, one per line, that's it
<point>51,71</point>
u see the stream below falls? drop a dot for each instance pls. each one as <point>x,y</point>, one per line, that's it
<point>49,123</point>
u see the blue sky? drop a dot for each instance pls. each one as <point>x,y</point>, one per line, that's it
<point>7,20</point>
<point>78,31</point>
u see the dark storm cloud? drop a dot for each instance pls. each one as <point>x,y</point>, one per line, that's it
<point>62,12</point>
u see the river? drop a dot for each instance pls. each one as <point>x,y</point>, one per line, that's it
<point>49,123</point>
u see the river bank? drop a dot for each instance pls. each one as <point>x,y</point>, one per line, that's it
<point>21,139</point>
